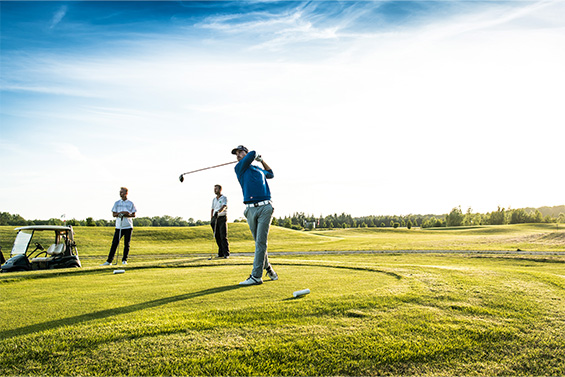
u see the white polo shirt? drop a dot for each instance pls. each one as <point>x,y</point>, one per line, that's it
<point>217,205</point>
<point>124,205</point>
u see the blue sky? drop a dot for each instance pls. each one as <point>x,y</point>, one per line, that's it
<point>369,107</point>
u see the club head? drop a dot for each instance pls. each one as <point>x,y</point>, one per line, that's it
<point>181,178</point>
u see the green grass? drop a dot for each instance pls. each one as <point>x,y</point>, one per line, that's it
<point>176,313</point>
<point>368,314</point>
<point>94,243</point>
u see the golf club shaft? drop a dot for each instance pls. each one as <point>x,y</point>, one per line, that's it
<point>119,240</point>
<point>211,167</point>
<point>214,242</point>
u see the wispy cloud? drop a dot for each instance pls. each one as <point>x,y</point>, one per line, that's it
<point>275,30</point>
<point>505,16</point>
<point>58,16</point>
<point>256,21</point>
<point>53,89</point>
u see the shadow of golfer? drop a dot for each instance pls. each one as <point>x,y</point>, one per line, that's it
<point>112,312</point>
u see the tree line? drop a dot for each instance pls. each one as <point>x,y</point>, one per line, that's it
<point>455,218</point>
<point>299,220</point>
<point>17,220</point>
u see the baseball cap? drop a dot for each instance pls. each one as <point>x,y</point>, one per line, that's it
<point>239,148</point>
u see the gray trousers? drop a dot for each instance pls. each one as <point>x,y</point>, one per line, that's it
<point>259,221</point>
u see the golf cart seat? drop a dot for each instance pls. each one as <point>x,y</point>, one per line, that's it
<point>41,259</point>
<point>56,249</point>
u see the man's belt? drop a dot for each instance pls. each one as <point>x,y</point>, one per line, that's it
<point>258,204</point>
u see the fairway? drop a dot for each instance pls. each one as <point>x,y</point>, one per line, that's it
<point>149,243</point>
<point>367,314</point>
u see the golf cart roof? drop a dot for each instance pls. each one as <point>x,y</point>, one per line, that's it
<point>45,227</point>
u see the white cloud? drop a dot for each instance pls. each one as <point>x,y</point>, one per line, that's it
<point>58,16</point>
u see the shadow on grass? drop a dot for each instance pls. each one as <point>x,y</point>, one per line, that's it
<point>355,268</point>
<point>112,312</point>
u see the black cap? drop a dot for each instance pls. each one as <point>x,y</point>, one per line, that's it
<point>239,148</point>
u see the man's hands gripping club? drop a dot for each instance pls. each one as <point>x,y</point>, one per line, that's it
<point>258,158</point>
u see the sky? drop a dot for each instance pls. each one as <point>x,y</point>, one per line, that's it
<point>363,107</point>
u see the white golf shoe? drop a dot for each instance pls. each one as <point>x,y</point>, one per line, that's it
<point>251,280</point>
<point>272,274</point>
<point>106,264</point>
<point>124,262</point>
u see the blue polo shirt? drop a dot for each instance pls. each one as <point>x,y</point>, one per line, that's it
<point>253,180</point>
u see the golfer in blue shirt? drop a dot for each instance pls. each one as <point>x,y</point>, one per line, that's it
<point>258,211</point>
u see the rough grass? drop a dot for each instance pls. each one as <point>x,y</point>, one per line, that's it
<point>368,314</point>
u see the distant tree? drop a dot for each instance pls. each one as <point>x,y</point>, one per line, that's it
<point>4,218</point>
<point>537,217</point>
<point>287,223</point>
<point>396,225</point>
<point>53,221</point>
<point>548,219</point>
<point>274,222</point>
<point>142,221</point>
<point>90,221</point>
<point>560,219</point>
<point>8,219</point>
<point>497,217</point>
<point>383,225</point>
<point>409,224</point>
<point>471,218</point>
<point>518,216</point>
<point>455,217</point>
<point>432,222</point>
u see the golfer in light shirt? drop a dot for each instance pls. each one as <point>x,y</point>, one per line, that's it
<point>258,211</point>
<point>123,210</point>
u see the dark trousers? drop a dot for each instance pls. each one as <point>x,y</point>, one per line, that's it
<point>220,227</point>
<point>126,233</point>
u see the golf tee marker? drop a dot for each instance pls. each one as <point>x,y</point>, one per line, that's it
<point>301,293</point>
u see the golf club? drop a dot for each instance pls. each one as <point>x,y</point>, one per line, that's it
<point>181,177</point>
<point>214,241</point>
<point>119,238</point>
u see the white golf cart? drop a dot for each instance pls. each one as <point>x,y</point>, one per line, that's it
<point>62,252</point>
